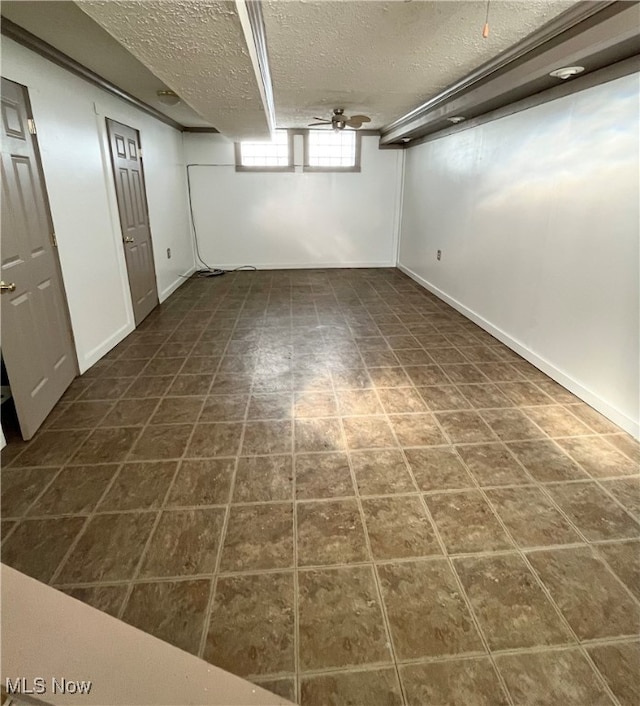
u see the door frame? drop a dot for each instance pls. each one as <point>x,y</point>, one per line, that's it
<point>54,247</point>
<point>116,204</point>
<point>47,204</point>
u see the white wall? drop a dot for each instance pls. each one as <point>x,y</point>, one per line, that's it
<point>294,219</point>
<point>70,118</point>
<point>537,218</point>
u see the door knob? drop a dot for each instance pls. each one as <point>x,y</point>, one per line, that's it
<point>7,287</point>
<point>129,240</point>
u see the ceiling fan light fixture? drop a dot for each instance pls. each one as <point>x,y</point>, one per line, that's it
<point>567,72</point>
<point>456,119</point>
<point>339,121</point>
<point>168,97</point>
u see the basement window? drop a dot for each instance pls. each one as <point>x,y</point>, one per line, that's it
<point>276,155</point>
<point>330,151</point>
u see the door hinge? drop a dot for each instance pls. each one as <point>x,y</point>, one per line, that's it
<point>140,152</point>
<point>32,126</point>
<point>54,240</point>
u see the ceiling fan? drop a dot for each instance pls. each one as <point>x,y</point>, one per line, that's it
<point>339,121</point>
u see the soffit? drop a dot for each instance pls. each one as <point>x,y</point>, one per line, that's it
<point>64,26</point>
<point>198,49</point>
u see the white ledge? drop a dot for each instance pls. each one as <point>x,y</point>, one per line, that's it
<point>47,634</point>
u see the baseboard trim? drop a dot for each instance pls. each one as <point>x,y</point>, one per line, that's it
<point>94,355</point>
<point>168,291</point>
<point>310,265</point>
<point>592,399</point>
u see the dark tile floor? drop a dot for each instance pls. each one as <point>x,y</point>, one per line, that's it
<point>332,483</point>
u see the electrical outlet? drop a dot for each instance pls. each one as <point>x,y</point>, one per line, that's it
<point>168,253</point>
<point>439,255</point>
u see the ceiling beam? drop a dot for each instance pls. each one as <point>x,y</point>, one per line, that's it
<point>197,49</point>
<point>417,122</point>
<point>581,83</point>
<point>252,21</point>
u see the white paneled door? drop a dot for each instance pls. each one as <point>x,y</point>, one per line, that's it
<point>37,344</point>
<point>134,217</point>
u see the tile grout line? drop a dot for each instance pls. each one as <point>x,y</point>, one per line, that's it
<point>285,570</point>
<point>319,500</point>
<point>314,567</point>
<point>19,518</point>
<point>225,521</point>
<point>89,432</point>
<point>383,608</point>
<point>147,544</point>
<point>383,605</point>
<point>619,581</point>
<point>297,684</point>
<point>159,514</point>
<point>463,656</point>
<point>84,527</point>
<point>616,501</point>
<point>514,407</point>
<point>567,626</point>
<point>598,479</point>
<point>400,388</point>
<point>544,487</point>
<point>587,542</point>
<point>113,480</point>
<point>445,556</point>
<point>463,592</point>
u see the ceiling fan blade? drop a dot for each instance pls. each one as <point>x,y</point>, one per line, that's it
<point>353,123</point>
<point>361,118</point>
<point>315,117</point>
<point>324,122</point>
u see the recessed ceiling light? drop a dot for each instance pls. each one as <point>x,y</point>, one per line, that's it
<point>567,72</point>
<point>456,119</point>
<point>168,97</point>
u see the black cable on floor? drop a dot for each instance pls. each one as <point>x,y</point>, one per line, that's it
<point>208,271</point>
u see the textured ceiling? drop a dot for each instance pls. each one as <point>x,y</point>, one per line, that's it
<point>368,56</point>
<point>384,58</point>
<point>71,31</point>
<point>196,48</point>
